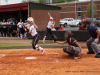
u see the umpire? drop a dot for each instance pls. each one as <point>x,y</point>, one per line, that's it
<point>94,40</point>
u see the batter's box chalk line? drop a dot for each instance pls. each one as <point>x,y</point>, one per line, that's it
<point>2,55</point>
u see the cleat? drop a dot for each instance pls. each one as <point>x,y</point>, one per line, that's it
<point>43,41</point>
<point>43,51</point>
<point>92,52</point>
<point>76,57</point>
<point>97,56</point>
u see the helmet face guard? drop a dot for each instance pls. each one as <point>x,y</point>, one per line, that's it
<point>68,34</point>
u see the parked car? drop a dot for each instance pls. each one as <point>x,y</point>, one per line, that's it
<point>66,21</point>
<point>94,20</point>
<point>98,22</point>
<point>75,23</point>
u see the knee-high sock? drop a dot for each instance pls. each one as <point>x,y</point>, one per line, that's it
<point>24,34</point>
<point>44,38</point>
<point>6,35</point>
<point>11,34</point>
<point>39,48</point>
<point>21,35</point>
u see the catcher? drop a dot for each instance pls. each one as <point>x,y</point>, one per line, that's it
<point>74,47</point>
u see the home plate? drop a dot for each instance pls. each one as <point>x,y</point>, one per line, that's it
<point>31,58</point>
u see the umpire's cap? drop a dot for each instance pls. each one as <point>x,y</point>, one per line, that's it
<point>87,22</point>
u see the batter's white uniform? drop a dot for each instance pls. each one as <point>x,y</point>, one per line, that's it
<point>50,24</point>
<point>33,30</point>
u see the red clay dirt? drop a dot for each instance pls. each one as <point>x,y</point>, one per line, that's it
<point>54,62</point>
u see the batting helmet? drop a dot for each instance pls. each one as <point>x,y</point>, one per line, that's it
<point>30,19</point>
<point>69,34</point>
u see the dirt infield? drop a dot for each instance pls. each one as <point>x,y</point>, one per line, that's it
<point>54,62</point>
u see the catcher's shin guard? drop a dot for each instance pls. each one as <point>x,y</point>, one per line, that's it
<point>73,51</point>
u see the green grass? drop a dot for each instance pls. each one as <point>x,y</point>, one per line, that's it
<point>21,44</point>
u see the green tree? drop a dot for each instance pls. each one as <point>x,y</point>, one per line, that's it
<point>63,1</point>
<point>88,10</point>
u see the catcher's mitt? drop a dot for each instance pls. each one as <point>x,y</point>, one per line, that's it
<point>54,38</point>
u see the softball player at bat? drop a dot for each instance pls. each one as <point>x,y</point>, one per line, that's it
<point>35,35</point>
<point>51,24</point>
<point>74,47</point>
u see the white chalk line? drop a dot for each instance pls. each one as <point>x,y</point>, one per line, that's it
<point>31,54</point>
<point>2,55</point>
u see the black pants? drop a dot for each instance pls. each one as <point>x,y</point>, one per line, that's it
<point>22,31</point>
<point>4,30</point>
<point>1,29</point>
<point>10,30</point>
<point>48,31</point>
<point>35,41</point>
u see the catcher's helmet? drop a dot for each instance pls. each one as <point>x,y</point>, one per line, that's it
<point>30,19</point>
<point>69,34</point>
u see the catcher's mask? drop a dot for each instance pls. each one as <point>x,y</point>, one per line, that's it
<point>68,34</point>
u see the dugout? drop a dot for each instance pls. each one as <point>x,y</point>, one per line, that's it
<point>38,11</point>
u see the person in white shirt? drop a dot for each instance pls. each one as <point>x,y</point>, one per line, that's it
<point>20,26</point>
<point>51,24</point>
<point>35,35</point>
<point>4,28</point>
<point>0,28</point>
<point>53,29</point>
<point>10,28</point>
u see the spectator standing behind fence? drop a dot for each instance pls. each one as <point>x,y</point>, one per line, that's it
<point>0,28</point>
<point>20,26</point>
<point>53,28</point>
<point>4,28</point>
<point>12,20</point>
<point>84,19</point>
<point>62,28</point>
<point>10,27</point>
